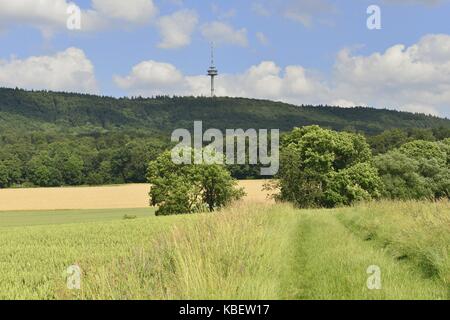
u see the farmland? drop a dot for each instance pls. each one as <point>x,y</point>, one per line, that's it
<point>253,250</point>
<point>128,196</point>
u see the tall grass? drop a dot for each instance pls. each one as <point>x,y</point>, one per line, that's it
<point>249,251</point>
<point>418,232</point>
<point>241,253</point>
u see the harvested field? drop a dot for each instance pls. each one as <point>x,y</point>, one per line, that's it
<point>104,197</point>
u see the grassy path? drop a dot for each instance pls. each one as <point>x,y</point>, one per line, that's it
<point>331,263</point>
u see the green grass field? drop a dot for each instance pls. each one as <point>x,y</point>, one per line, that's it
<point>246,252</point>
<point>34,218</point>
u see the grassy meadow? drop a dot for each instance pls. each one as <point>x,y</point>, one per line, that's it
<point>249,251</point>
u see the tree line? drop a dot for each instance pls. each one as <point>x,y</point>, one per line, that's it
<point>318,168</point>
<point>324,168</point>
<point>43,160</point>
<point>55,159</point>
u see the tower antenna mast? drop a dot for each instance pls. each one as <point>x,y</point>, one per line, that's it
<point>212,71</point>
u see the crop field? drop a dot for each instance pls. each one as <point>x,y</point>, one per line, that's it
<point>34,218</point>
<point>253,250</point>
<point>104,197</point>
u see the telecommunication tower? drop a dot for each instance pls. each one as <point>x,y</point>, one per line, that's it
<point>212,71</point>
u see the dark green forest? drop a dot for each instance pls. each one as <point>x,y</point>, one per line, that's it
<point>57,139</point>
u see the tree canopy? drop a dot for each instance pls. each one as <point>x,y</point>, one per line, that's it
<point>190,188</point>
<point>325,168</point>
<point>417,170</point>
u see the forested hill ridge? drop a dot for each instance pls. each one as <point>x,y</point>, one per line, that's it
<point>30,111</point>
<point>57,139</point>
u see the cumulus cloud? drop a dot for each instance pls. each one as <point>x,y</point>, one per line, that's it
<point>176,29</point>
<point>223,33</point>
<point>414,78</point>
<point>50,16</point>
<point>411,78</point>
<point>69,70</point>
<point>265,80</point>
<point>135,11</point>
<point>156,77</point>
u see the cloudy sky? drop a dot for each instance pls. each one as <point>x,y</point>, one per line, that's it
<point>298,51</point>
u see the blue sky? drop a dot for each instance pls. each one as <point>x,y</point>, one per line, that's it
<point>299,51</point>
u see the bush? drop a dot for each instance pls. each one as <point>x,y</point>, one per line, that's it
<point>190,188</point>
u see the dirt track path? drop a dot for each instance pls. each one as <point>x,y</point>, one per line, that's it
<point>331,263</point>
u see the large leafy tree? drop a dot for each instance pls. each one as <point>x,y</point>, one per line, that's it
<point>321,167</point>
<point>190,188</point>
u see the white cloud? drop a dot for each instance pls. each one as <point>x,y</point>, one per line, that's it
<point>135,11</point>
<point>46,15</point>
<point>156,77</point>
<point>50,16</point>
<point>414,78</point>
<point>410,78</point>
<point>176,29</point>
<point>265,80</point>
<point>223,33</point>
<point>69,70</point>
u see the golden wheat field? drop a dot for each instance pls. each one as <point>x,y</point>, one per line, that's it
<point>103,197</point>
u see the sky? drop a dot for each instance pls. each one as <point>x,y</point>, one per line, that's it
<point>296,51</point>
